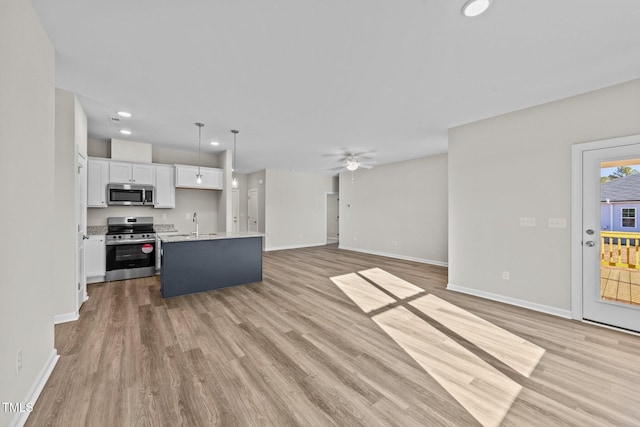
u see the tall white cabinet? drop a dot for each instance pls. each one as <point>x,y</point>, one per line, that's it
<point>165,187</point>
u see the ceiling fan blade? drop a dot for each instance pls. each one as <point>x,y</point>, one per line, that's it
<point>364,166</point>
<point>336,169</point>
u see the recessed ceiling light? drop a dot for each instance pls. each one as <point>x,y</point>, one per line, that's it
<point>215,143</point>
<point>475,7</point>
<point>124,114</point>
<point>125,131</point>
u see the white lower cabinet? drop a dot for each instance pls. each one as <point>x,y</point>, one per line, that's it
<point>95,258</point>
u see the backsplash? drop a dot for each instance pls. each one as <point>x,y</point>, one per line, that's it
<point>102,229</point>
<point>96,229</point>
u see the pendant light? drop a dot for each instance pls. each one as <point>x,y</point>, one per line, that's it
<point>199,175</point>
<point>234,181</point>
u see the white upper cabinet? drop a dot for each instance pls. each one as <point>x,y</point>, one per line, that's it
<point>165,187</point>
<point>97,180</point>
<point>212,178</point>
<point>131,173</point>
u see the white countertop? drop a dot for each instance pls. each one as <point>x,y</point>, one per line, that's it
<point>208,236</point>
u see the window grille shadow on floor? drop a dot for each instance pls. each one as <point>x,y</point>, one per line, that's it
<point>399,308</point>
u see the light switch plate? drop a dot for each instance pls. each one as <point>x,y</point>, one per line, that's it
<point>557,223</point>
<point>527,222</point>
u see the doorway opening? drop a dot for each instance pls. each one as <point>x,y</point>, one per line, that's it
<point>333,219</point>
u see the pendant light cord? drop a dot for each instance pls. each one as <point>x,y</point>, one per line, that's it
<point>200,125</point>
<point>199,144</point>
<point>235,134</point>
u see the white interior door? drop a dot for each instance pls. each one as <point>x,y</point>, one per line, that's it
<point>235,209</point>
<point>252,208</point>
<point>609,285</point>
<point>81,234</point>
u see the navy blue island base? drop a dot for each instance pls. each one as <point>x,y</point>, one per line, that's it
<point>201,265</point>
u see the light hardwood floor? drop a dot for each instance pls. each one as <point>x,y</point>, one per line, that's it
<point>296,350</point>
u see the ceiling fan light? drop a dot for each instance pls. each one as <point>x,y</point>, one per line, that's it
<point>475,7</point>
<point>351,165</point>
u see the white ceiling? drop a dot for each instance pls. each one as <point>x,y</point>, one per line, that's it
<point>302,79</point>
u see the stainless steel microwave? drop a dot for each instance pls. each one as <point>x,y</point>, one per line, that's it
<point>130,195</point>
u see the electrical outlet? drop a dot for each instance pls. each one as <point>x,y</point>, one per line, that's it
<point>187,216</point>
<point>394,244</point>
<point>164,216</point>
<point>354,238</point>
<point>506,275</point>
<point>19,361</point>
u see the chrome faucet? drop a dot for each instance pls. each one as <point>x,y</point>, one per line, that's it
<point>195,219</point>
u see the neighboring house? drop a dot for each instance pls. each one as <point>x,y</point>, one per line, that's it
<point>620,204</point>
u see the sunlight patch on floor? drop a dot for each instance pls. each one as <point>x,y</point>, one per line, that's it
<point>395,285</point>
<point>485,392</point>
<point>510,349</point>
<point>481,389</point>
<point>362,293</point>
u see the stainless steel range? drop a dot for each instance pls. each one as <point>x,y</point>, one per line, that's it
<point>131,248</point>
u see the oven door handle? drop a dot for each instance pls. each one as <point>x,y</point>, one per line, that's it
<point>128,242</point>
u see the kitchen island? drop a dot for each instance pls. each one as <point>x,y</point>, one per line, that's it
<point>197,263</point>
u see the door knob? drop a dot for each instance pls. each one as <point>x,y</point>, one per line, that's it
<point>589,232</point>
<point>590,243</point>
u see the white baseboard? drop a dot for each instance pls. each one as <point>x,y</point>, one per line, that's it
<point>390,255</point>
<point>282,248</point>
<point>32,395</point>
<point>64,318</point>
<point>331,240</point>
<point>512,301</point>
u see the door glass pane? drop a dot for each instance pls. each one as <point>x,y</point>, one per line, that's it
<point>620,231</point>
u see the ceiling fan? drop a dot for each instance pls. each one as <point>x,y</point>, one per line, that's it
<point>352,162</point>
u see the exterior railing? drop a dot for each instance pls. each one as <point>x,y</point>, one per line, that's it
<point>620,249</point>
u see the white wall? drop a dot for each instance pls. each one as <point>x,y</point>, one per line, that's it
<point>102,148</point>
<point>519,165</point>
<point>398,209</point>
<point>295,213</point>
<point>27,156</point>
<point>71,131</point>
